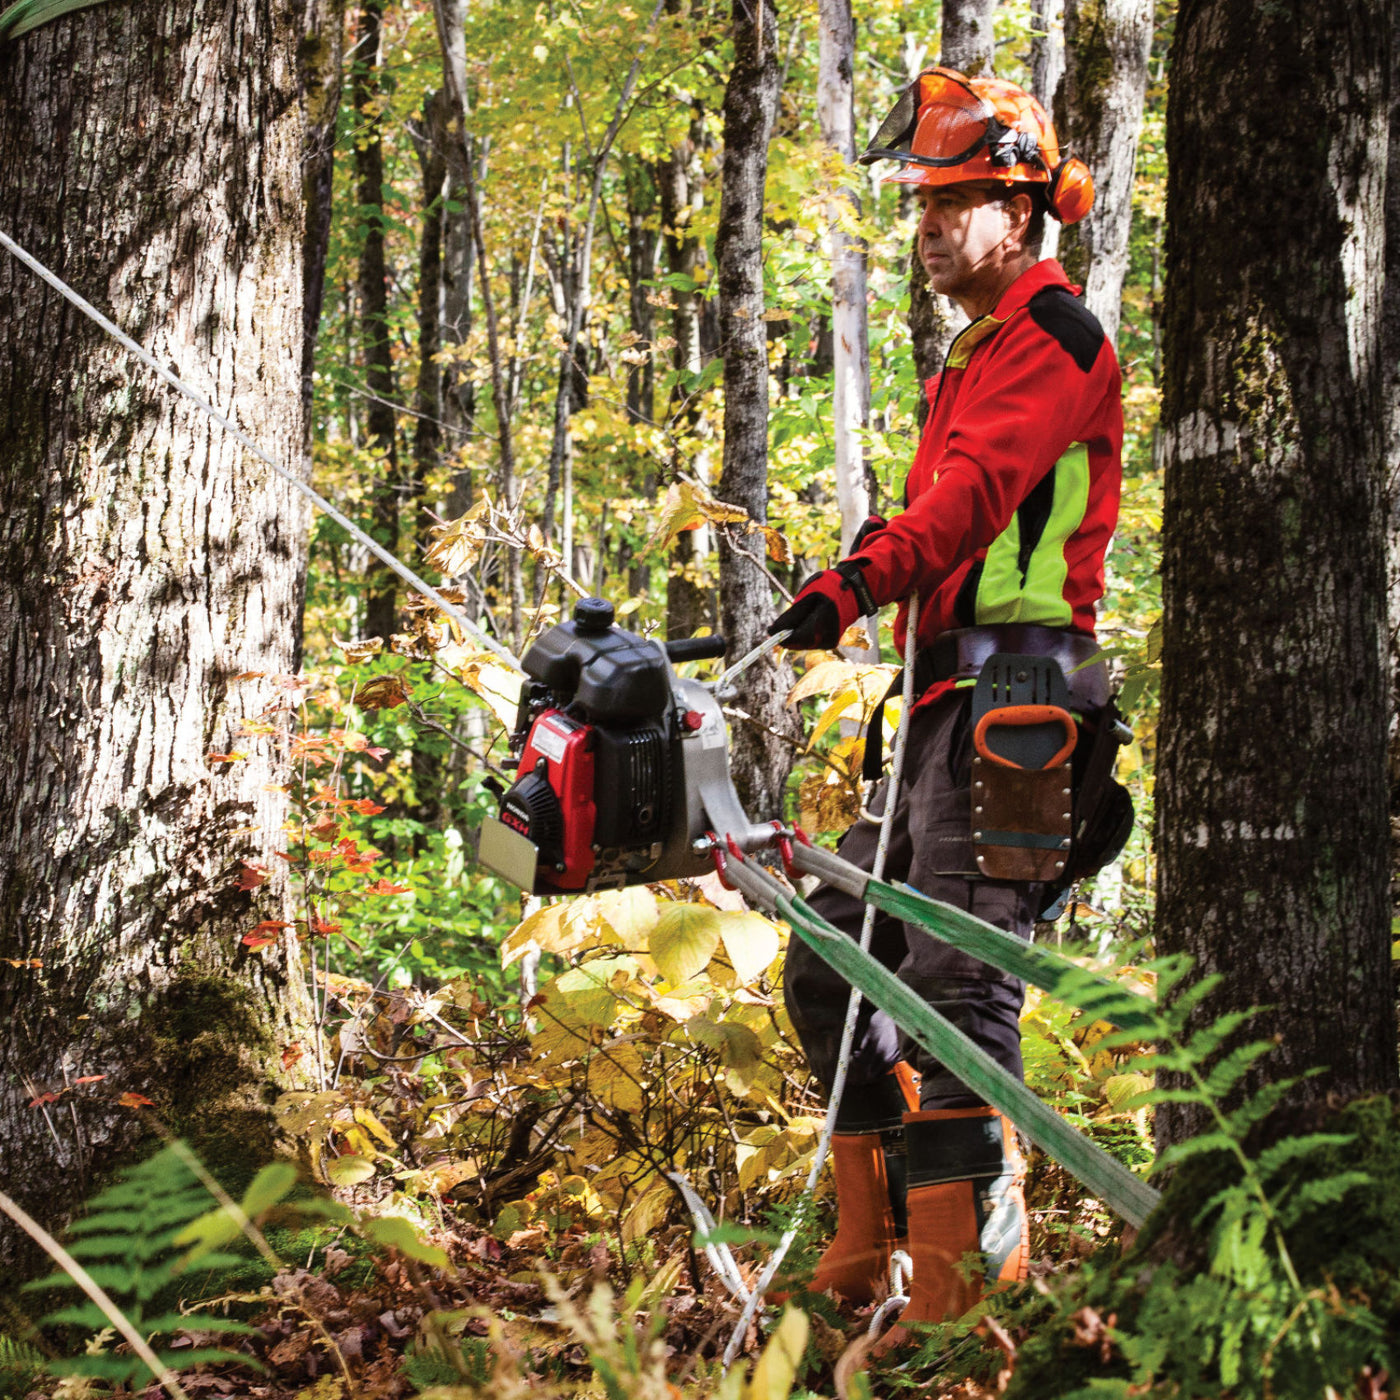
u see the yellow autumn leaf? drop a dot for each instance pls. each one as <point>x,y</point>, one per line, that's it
<point>751,943</point>
<point>615,1075</point>
<point>648,1212</point>
<point>777,1368</point>
<point>631,914</point>
<point>684,940</point>
<point>497,685</point>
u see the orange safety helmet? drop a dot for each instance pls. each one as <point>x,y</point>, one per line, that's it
<point>947,128</point>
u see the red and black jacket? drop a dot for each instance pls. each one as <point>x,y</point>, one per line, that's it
<point>1013,496</point>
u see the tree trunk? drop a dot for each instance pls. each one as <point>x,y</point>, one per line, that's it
<point>850,340</point>
<point>145,562</point>
<point>1271,817</point>
<point>427,399</point>
<point>381,609</point>
<point>1390,361</point>
<point>969,43</point>
<point>1047,68</point>
<point>969,46</point>
<point>1099,118</point>
<point>681,185</point>
<point>760,762</point>
<point>320,57</point>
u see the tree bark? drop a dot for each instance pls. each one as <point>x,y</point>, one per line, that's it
<point>681,185</point>
<point>760,762</point>
<point>381,605</point>
<point>146,561</point>
<point>850,337</point>
<point>431,146</point>
<point>1271,818</point>
<point>969,42</point>
<point>1390,360</point>
<point>1047,68</point>
<point>1099,119</point>
<point>320,56</point>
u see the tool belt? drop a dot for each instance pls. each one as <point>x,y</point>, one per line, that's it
<point>961,654</point>
<point>1046,808</point>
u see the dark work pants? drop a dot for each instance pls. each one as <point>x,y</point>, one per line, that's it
<point>931,849</point>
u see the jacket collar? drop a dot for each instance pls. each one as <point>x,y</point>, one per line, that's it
<point>1046,273</point>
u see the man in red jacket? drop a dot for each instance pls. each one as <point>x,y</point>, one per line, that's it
<point>1009,508</point>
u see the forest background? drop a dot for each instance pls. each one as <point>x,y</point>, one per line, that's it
<point>519,372</point>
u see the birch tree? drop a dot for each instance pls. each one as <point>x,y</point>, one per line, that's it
<point>1272,835</point>
<point>850,337</point>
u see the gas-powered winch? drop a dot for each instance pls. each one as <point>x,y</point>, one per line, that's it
<point>624,765</point>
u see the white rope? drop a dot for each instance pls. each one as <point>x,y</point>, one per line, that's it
<point>195,397</point>
<point>744,662</point>
<point>843,1061</point>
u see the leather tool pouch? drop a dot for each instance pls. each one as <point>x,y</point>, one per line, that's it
<point>1022,789</point>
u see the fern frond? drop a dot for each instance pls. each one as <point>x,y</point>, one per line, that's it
<point>30,14</point>
<point>1224,1076</point>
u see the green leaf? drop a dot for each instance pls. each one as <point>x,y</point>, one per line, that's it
<point>267,1188</point>
<point>591,988</point>
<point>395,1231</point>
<point>349,1170</point>
<point>684,940</point>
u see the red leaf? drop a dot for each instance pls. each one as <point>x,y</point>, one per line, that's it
<point>252,876</point>
<point>89,1078</point>
<point>367,807</point>
<point>291,1054</point>
<point>250,675</point>
<point>234,757</point>
<point>382,886</point>
<point>325,929</point>
<point>326,829</point>
<point>374,753</point>
<point>130,1100</point>
<point>256,941</point>
<point>272,926</point>
<point>43,1099</point>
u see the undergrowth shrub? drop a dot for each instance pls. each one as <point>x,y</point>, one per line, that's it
<point>129,1244</point>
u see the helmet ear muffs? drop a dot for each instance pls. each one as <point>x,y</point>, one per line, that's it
<point>1071,192</point>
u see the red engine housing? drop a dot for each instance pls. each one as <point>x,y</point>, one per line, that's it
<point>560,751</point>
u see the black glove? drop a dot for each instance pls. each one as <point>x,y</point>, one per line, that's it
<point>828,604</point>
<point>872,525</point>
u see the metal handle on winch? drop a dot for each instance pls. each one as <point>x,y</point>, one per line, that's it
<point>696,648</point>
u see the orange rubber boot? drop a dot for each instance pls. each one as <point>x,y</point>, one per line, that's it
<point>869,1171</point>
<point>966,1196</point>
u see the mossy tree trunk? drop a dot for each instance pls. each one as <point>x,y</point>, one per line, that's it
<point>760,761</point>
<point>1098,119</point>
<point>1271,816</point>
<point>152,154</point>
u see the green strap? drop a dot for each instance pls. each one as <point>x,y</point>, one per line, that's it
<point>1041,967</point>
<point>1108,1179</point>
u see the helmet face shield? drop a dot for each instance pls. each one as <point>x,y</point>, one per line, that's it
<point>947,128</point>
<point>938,122</point>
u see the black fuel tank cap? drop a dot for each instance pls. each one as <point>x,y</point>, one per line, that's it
<point>593,614</point>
